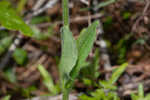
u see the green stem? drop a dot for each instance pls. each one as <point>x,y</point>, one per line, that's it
<point>65,5</point>
<point>65,12</point>
<point>65,94</point>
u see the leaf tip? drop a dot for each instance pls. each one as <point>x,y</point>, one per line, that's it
<point>96,22</point>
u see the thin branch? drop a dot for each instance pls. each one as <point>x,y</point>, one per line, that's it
<point>73,20</point>
<point>50,4</point>
<point>38,4</point>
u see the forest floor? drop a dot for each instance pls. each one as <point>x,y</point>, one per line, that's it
<point>126,26</point>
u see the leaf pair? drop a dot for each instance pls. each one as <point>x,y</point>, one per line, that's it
<point>74,53</point>
<point>84,46</point>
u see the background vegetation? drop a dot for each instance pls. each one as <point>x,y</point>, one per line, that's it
<point>99,49</point>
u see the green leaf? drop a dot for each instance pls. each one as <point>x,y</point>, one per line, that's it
<point>147,97</point>
<point>87,82</point>
<point>10,20</point>
<point>95,65</point>
<point>141,91</point>
<point>126,15</point>
<point>21,5</point>
<point>117,73</point>
<point>85,97</point>
<point>85,42</point>
<point>69,52</point>
<point>10,75</point>
<point>140,95</point>
<point>99,94</point>
<point>20,56</point>
<point>39,35</point>
<point>27,92</point>
<point>105,3</point>
<point>134,97</point>
<point>84,45</point>
<point>91,70</point>
<point>47,80</point>
<point>40,19</point>
<point>4,44</point>
<point>107,85</point>
<point>6,97</point>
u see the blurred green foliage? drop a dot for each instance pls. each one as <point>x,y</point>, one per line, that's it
<point>27,92</point>
<point>91,68</point>
<point>106,89</point>
<point>21,5</point>
<point>108,22</point>
<point>20,56</point>
<point>10,20</point>
<point>8,97</point>
<point>48,81</point>
<point>38,35</point>
<point>121,48</point>
<point>10,75</point>
<point>3,34</point>
<point>40,19</point>
<point>126,15</point>
<point>140,95</point>
<point>4,44</point>
<point>100,94</point>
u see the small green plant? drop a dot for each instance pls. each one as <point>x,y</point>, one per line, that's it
<point>121,47</point>
<point>140,95</point>
<point>106,89</point>
<point>91,68</point>
<point>74,52</point>
<point>100,94</point>
<point>20,56</point>
<point>6,97</point>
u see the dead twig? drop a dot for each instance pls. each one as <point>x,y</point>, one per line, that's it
<point>141,17</point>
<point>38,4</point>
<point>72,20</point>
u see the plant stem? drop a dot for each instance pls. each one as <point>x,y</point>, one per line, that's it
<point>65,94</point>
<point>65,5</point>
<point>65,12</point>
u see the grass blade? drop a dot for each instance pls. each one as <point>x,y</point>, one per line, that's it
<point>47,80</point>
<point>117,73</point>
